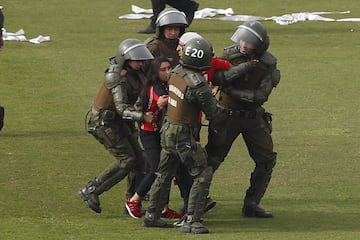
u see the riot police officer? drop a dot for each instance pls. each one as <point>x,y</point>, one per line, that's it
<point>189,93</point>
<point>189,7</point>
<point>241,99</point>
<point>170,25</point>
<point>111,119</point>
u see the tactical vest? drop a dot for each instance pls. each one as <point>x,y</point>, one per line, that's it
<point>135,81</point>
<point>179,110</point>
<point>104,99</point>
<point>165,48</point>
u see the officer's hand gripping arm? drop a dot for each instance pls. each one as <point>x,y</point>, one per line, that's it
<point>259,95</point>
<point>226,77</point>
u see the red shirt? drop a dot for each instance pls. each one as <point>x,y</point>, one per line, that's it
<point>153,94</point>
<point>217,64</point>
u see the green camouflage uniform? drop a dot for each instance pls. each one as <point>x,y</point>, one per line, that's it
<point>189,93</point>
<point>107,121</point>
<point>242,113</point>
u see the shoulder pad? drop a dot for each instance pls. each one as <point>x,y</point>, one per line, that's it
<point>112,76</point>
<point>149,40</point>
<point>178,69</point>
<point>123,72</point>
<point>268,59</point>
<point>154,47</point>
<point>193,79</point>
<point>112,60</point>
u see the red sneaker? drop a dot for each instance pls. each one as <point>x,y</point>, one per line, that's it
<point>171,214</point>
<point>134,208</point>
<point>209,204</point>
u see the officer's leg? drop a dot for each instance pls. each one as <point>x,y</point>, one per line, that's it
<point>157,6</point>
<point>160,190</point>
<point>197,164</point>
<point>260,147</point>
<point>184,182</point>
<point>187,6</point>
<point>125,157</point>
<point>222,133</point>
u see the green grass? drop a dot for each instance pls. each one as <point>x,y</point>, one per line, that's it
<point>46,155</point>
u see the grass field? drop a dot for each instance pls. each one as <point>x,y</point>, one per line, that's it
<point>46,155</point>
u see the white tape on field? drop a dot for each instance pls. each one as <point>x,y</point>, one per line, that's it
<point>211,13</point>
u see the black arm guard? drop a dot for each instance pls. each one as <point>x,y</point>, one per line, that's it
<point>259,95</point>
<point>226,77</point>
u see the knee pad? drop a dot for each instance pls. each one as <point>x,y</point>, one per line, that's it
<point>128,163</point>
<point>206,175</point>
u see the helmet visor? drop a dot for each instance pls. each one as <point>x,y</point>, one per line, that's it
<point>248,35</point>
<point>138,52</point>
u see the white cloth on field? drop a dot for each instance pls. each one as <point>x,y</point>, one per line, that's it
<point>20,36</point>
<point>211,13</point>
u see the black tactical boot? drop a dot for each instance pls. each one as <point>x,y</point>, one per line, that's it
<point>149,30</point>
<point>195,227</point>
<point>256,211</point>
<point>151,221</point>
<point>89,196</point>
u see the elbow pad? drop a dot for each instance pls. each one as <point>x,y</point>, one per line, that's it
<point>275,77</point>
<point>120,98</point>
<point>129,114</point>
<point>238,71</point>
<point>225,77</point>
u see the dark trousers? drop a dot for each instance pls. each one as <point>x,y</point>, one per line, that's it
<point>186,6</point>
<point>152,148</point>
<point>256,135</point>
<point>2,116</point>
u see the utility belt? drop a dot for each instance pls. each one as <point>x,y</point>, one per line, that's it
<point>240,113</point>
